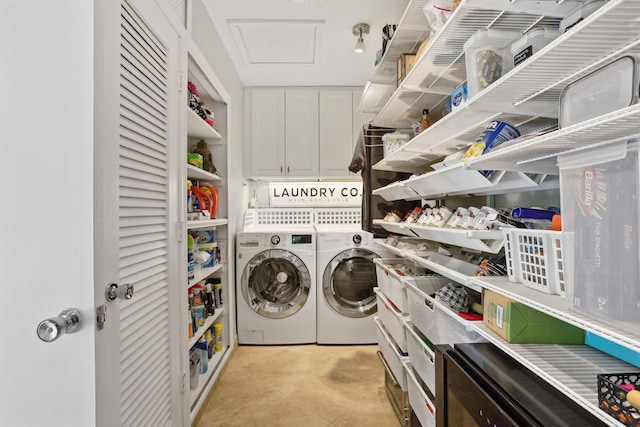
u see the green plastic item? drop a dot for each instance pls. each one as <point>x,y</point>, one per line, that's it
<point>530,326</point>
<point>190,242</point>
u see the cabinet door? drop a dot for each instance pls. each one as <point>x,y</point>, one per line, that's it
<point>301,133</point>
<point>359,119</point>
<point>336,132</point>
<point>267,132</point>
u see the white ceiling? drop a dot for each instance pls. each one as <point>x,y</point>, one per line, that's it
<point>302,42</point>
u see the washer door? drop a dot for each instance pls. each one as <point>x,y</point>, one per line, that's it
<point>348,282</point>
<point>276,284</point>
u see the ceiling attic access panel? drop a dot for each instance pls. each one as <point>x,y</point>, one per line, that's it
<point>277,42</point>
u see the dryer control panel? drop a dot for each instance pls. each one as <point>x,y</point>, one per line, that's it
<point>276,239</point>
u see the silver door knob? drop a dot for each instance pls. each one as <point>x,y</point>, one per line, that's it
<point>67,322</point>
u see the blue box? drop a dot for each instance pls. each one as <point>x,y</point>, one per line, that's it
<point>459,97</point>
<point>612,348</point>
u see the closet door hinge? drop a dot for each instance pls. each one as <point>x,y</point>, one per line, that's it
<point>181,80</point>
<point>185,379</point>
<point>182,230</point>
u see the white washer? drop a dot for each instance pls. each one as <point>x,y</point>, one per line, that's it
<point>275,287</point>
<point>346,276</point>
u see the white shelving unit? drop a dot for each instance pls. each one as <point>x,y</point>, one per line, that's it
<point>206,223</point>
<point>197,173</point>
<point>460,180</point>
<point>527,97</point>
<point>572,369</point>
<point>202,274</point>
<point>198,128</point>
<point>556,306</point>
<point>539,154</point>
<point>213,94</point>
<point>485,241</point>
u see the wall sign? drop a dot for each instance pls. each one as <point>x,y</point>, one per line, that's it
<point>315,194</point>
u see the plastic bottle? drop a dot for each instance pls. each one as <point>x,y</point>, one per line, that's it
<point>209,300</point>
<point>204,358</point>
<point>425,122</point>
<point>217,290</point>
<point>191,265</point>
<point>447,109</point>
<point>218,329</point>
<point>211,343</point>
<point>189,197</point>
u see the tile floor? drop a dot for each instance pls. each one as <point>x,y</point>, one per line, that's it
<point>300,386</point>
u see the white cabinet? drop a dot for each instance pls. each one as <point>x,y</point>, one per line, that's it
<point>336,131</point>
<point>522,97</point>
<point>214,96</point>
<point>301,132</point>
<point>283,132</point>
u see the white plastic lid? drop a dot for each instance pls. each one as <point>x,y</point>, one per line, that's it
<point>605,90</point>
<point>498,39</point>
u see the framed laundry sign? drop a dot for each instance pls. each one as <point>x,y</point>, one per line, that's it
<point>315,194</point>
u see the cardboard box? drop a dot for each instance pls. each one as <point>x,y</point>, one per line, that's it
<point>520,324</point>
<point>405,64</point>
<point>612,348</point>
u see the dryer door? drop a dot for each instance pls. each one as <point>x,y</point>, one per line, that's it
<point>276,283</point>
<point>348,282</point>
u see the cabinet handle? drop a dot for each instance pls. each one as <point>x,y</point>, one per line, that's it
<point>287,169</point>
<point>280,169</point>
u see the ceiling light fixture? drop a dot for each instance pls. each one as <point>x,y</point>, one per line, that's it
<point>359,30</point>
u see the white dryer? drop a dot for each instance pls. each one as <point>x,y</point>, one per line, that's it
<point>275,286</point>
<point>345,282</point>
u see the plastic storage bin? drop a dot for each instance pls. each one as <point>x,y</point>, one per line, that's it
<point>393,320</point>
<point>529,44</point>
<point>609,88</point>
<point>487,57</point>
<point>436,322</point>
<point>392,142</point>
<point>599,190</point>
<point>422,406</point>
<point>584,9</point>
<point>393,284</point>
<point>391,355</point>
<point>534,257</point>
<point>421,356</point>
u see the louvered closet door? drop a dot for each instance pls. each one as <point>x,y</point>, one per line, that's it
<point>140,347</point>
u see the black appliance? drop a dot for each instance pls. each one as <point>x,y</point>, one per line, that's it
<point>480,385</point>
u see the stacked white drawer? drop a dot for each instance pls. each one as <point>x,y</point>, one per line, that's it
<point>392,356</point>
<point>419,400</point>
<point>430,319</point>
<point>436,321</point>
<point>393,304</point>
<point>393,310</point>
<point>392,320</point>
